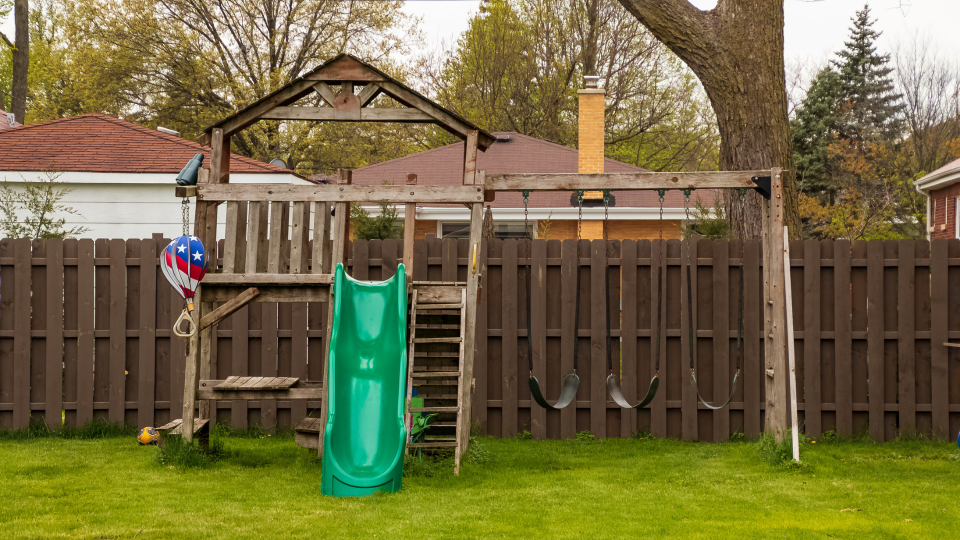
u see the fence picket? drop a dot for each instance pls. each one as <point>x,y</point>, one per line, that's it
<point>628,335</point>
<point>939,369</point>
<point>843,374</point>
<point>598,344</point>
<point>509,356</point>
<point>905,335</point>
<point>54,338</point>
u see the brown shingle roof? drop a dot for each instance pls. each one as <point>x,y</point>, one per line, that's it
<point>100,143</point>
<point>517,154</point>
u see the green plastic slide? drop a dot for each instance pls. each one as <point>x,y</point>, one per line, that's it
<point>365,434</point>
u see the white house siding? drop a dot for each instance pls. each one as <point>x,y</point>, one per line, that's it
<point>118,205</point>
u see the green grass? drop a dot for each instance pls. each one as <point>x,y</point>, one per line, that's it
<point>268,487</point>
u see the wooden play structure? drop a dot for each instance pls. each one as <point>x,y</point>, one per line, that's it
<point>279,248</point>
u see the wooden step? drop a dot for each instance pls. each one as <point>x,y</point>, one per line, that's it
<point>437,326</point>
<point>457,339</point>
<point>436,374</point>
<point>434,444</point>
<point>434,409</point>
<point>256,383</point>
<point>435,354</point>
<point>433,307</point>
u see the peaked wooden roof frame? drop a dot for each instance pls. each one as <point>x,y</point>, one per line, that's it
<point>346,105</point>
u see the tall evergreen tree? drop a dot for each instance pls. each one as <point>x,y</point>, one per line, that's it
<point>814,130</point>
<point>872,107</point>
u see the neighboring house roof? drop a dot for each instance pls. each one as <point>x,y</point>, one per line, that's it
<point>940,178</point>
<point>5,120</point>
<point>100,143</point>
<point>512,153</point>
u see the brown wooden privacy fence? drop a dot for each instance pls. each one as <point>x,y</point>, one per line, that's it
<point>85,329</point>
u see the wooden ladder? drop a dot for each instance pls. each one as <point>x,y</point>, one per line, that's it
<point>435,363</point>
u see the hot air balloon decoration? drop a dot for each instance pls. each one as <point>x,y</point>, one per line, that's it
<point>184,263</point>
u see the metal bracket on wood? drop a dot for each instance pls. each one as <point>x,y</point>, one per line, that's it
<point>762,186</point>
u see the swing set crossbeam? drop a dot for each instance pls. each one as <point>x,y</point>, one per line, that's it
<point>624,181</point>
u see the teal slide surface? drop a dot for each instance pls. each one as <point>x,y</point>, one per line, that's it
<point>365,435</point>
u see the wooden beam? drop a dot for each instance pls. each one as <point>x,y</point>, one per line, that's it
<point>190,375</point>
<point>368,93</point>
<point>341,193</point>
<point>285,96</point>
<point>366,115</point>
<point>622,181</point>
<point>444,119</point>
<point>470,158</point>
<point>229,308</point>
<point>325,92</point>
<point>268,293</point>
<point>186,191</point>
<point>774,311</point>
<point>251,279</point>
<point>409,230</point>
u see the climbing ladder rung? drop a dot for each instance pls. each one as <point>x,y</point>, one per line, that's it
<point>434,409</point>
<point>438,340</point>
<point>425,307</point>
<point>436,375</point>
<point>437,444</point>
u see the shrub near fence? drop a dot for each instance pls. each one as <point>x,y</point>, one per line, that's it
<point>85,328</point>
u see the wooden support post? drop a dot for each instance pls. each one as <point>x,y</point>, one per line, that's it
<point>791,362</point>
<point>341,240</point>
<point>774,311</point>
<point>470,158</point>
<point>190,376</point>
<point>409,229</point>
<point>228,308</point>
<point>470,324</point>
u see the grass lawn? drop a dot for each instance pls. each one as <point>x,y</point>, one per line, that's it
<point>270,488</point>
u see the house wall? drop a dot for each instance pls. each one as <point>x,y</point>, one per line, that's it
<point>117,205</point>
<point>943,217</point>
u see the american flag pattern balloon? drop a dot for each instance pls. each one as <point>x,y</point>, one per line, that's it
<point>184,263</point>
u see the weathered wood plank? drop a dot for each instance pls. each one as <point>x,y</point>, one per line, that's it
<point>628,335</point>
<point>229,278</point>
<point>598,338</point>
<point>277,236</point>
<point>118,329</point>
<point>811,339</point>
<point>240,361</point>
<point>939,370</point>
<point>146,391</point>
<point>256,235</point>
<point>843,352</point>
<point>339,193</point>
<point>776,419</point>
<point>479,379</point>
<point>21,333</point>
<point>321,234</point>
<point>538,319</point>
<point>906,369</point>
<point>509,355</point>
<point>721,342</point>
<point>622,181</point>
<point>225,293</point>
<point>752,376</point>
<point>469,321</point>
<point>85,329</point>
<point>53,392</point>
<point>366,115</point>
<point>658,407</point>
<point>299,237</point>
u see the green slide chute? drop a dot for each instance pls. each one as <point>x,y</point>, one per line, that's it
<point>365,435</point>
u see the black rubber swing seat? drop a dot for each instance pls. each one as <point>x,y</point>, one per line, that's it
<point>567,392</point>
<point>613,386</point>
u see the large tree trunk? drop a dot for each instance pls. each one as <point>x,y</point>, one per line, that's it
<point>21,59</point>
<point>736,50</point>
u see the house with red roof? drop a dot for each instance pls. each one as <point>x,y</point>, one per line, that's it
<point>121,176</point>
<point>630,214</point>
<point>7,120</point>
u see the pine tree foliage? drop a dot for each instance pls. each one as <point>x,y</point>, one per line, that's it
<point>813,131</point>
<point>872,107</point>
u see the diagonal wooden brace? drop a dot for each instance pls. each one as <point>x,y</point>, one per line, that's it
<point>229,307</point>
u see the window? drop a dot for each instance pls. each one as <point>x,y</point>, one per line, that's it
<point>501,229</point>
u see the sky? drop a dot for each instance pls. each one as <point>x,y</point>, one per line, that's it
<point>813,29</point>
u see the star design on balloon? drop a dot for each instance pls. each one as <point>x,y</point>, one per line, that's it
<point>181,248</point>
<point>197,255</point>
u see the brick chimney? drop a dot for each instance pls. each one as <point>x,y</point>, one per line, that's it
<point>590,144</point>
<point>590,136</point>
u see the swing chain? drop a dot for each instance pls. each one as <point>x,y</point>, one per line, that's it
<point>526,201</point>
